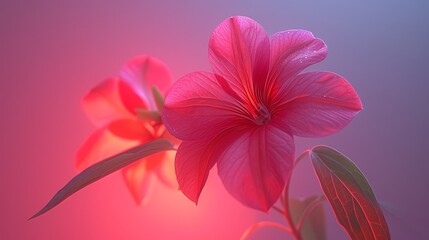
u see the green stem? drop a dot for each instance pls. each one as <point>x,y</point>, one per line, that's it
<point>279,210</point>
<point>285,200</point>
<point>288,217</point>
<point>302,156</point>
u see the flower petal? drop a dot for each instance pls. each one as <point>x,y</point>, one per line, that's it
<point>138,178</point>
<point>194,159</point>
<point>131,129</point>
<point>193,163</point>
<point>291,52</point>
<point>144,72</point>
<point>110,100</point>
<point>317,104</point>
<point>256,166</point>
<point>197,108</point>
<point>100,145</point>
<point>239,54</point>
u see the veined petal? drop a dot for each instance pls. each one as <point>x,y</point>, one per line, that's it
<point>100,145</point>
<point>193,164</point>
<point>317,104</point>
<point>139,177</point>
<point>111,100</point>
<point>239,52</point>
<point>256,166</point>
<point>144,72</point>
<point>197,108</point>
<point>194,159</point>
<point>291,52</point>
<point>131,129</point>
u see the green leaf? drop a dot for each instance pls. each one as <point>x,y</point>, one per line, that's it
<point>104,168</point>
<point>313,227</point>
<point>349,194</point>
<point>159,99</point>
<point>148,115</point>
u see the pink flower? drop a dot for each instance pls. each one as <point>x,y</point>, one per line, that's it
<point>126,115</point>
<point>244,116</point>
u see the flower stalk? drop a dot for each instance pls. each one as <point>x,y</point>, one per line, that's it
<point>286,205</point>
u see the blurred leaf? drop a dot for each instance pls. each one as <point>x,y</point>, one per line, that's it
<point>148,115</point>
<point>314,224</point>
<point>104,168</point>
<point>349,194</point>
<point>159,99</point>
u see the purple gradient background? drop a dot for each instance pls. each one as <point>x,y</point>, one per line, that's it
<point>52,53</point>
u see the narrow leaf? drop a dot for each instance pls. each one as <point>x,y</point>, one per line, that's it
<point>349,194</point>
<point>159,99</point>
<point>104,168</point>
<point>313,227</point>
<point>148,115</point>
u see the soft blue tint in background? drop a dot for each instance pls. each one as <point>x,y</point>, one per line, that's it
<point>52,53</point>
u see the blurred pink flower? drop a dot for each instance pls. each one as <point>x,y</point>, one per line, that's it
<point>243,117</point>
<point>124,111</point>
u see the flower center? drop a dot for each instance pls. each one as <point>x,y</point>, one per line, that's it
<point>262,115</point>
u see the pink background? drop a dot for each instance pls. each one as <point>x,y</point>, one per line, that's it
<point>52,53</point>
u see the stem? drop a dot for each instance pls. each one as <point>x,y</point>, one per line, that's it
<point>258,225</point>
<point>285,200</point>
<point>288,217</point>
<point>308,210</point>
<point>279,210</point>
<point>302,156</point>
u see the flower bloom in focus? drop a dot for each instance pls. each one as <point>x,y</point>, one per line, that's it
<point>243,116</point>
<point>125,110</point>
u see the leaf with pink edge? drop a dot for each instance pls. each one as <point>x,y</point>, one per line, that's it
<point>349,194</point>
